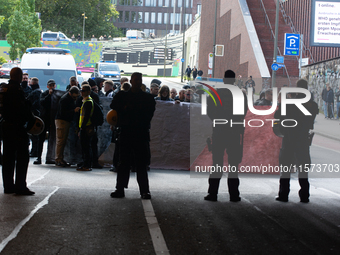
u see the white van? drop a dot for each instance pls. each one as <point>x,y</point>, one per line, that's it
<point>54,36</point>
<point>48,65</point>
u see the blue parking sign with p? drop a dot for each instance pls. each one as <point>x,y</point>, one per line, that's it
<point>292,44</point>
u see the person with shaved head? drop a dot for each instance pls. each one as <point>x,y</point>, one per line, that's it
<point>17,115</point>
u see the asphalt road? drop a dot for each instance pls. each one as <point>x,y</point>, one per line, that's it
<point>73,213</point>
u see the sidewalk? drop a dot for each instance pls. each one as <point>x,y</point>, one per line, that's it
<point>326,127</point>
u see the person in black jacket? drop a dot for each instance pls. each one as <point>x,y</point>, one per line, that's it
<point>34,98</point>
<point>324,99</point>
<point>66,110</point>
<point>16,114</point>
<point>295,145</point>
<point>135,110</point>
<point>227,138</point>
<point>330,102</point>
<point>25,84</point>
<point>49,100</point>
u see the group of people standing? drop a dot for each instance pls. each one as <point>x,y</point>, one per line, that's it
<point>328,97</point>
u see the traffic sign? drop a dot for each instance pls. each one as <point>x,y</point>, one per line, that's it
<point>280,59</point>
<point>292,44</point>
<point>275,67</point>
<point>210,60</point>
<point>182,60</point>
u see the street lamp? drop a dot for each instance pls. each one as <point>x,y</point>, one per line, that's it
<point>84,24</point>
<point>166,40</point>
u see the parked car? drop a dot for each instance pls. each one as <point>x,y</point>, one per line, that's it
<point>54,36</point>
<point>5,69</point>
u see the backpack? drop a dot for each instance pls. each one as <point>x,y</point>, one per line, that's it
<point>97,117</point>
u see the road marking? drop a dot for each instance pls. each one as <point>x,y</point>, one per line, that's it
<point>155,231</point>
<point>333,193</point>
<point>40,178</point>
<point>17,229</point>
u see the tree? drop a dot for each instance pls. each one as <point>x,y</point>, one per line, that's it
<point>24,28</point>
<point>6,10</point>
<point>66,16</point>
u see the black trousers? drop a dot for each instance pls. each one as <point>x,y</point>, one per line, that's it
<point>94,147</point>
<point>135,150</point>
<point>86,136</point>
<point>294,151</point>
<point>15,156</point>
<point>231,143</point>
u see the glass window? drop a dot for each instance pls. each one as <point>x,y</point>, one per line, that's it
<point>153,18</point>
<point>140,17</point>
<point>166,18</point>
<point>186,19</point>
<point>121,16</point>
<point>187,3</point>
<point>160,3</point>
<point>199,9</point>
<point>166,3</point>
<point>153,3</point>
<point>127,16</point>
<point>146,17</point>
<point>159,18</point>
<point>137,2</point>
<point>133,17</point>
<point>190,19</point>
<point>172,3</point>
<point>178,17</point>
<point>180,3</point>
<point>124,2</point>
<point>147,2</point>
<point>171,19</point>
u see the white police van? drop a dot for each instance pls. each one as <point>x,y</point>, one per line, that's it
<point>54,36</point>
<point>49,63</point>
<point>107,70</point>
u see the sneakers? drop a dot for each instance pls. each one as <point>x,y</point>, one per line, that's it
<point>25,192</point>
<point>145,196</point>
<point>211,197</point>
<point>117,194</point>
<point>62,164</point>
<point>84,168</point>
<point>281,199</point>
<point>37,161</point>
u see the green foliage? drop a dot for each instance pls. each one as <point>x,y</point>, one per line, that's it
<point>2,60</point>
<point>6,10</point>
<point>13,53</point>
<point>24,28</point>
<point>66,16</point>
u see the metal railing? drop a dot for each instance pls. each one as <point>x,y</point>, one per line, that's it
<point>290,23</point>
<point>273,35</point>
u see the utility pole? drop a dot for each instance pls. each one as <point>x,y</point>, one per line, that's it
<point>174,18</point>
<point>183,51</point>
<point>166,41</point>
<point>213,62</point>
<point>275,41</point>
<point>84,24</point>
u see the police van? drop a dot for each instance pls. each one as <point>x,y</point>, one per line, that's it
<point>49,63</point>
<point>107,70</point>
<point>54,36</point>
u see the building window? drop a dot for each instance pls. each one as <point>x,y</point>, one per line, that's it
<point>127,16</point>
<point>199,9</point>
<point>180,3</point>
<point>160,3</point>
<point>153,18</point>
<point>166,18</point>
<point>137,2</point>
<point>146,17</point>
<point>171,19</point>
<point>120,16</point>
<point>147,2</point>
<point>140,17</point>
<point>159,18</point>
<point>178,17</point>
<point>187,3</point>
<point>134,17</point>
<point>151,3</point>
<point>124,2</point>
<point>166,3</point>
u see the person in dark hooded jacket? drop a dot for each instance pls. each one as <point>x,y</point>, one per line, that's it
<point>24,85</point>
